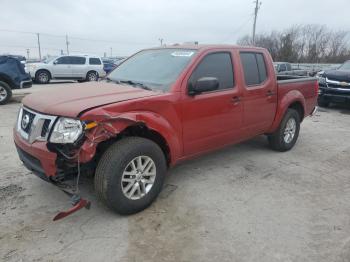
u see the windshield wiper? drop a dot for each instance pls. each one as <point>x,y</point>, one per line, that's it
<point>133,83</point>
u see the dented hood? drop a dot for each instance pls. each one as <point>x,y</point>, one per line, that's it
<point>72,99</point>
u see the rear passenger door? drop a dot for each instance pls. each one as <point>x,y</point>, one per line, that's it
<point>259,95</point>
<point>79,67</point>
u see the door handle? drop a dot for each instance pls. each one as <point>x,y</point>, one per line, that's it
<point>270,93</point>
<point>235,100</point>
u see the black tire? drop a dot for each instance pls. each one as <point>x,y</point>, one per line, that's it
<point>92,76</point>
<point>277,140</point>
<point>42,77</point>
<point>322,102</point>
<point>5,93</point>
<point>111,166</point>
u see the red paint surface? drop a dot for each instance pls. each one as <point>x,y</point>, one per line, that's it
<point>191,125</point>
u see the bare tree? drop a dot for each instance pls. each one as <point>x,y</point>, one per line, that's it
<point>304,43</point>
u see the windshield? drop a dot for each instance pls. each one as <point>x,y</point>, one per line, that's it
<point>156,69</point>
<point>345,66</point>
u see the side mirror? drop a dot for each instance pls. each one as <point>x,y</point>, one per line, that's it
<point>55,62</point>
<point>204,84</point>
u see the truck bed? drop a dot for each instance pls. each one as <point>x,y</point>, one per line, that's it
<point>307,86</point>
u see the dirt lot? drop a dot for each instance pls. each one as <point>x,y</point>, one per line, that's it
<point>243,203</point>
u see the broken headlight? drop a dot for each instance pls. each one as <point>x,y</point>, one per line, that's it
<point>66,131</point>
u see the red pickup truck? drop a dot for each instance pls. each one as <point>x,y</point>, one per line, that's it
<point>159,107</point>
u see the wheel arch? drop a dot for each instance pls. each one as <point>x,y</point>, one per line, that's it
<point>6,79</point>
<point>293,99</point>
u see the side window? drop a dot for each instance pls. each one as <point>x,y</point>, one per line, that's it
<point>94,61</point>
<point>78,60</point>
<point>262,67</point>
<point>283,68</point>
<point>217,65</point>
<point>64,60</point>
<point>289,67</point>
<point>254,68</point>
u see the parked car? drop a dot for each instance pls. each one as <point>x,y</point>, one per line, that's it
<point>12,76</point>
<point>108,66</point>
<point>334,85</point>
<point>160,107</point>
<point>73,67</point>
<point>285,68</point>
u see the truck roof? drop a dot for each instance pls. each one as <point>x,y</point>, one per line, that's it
<point>208,47</point>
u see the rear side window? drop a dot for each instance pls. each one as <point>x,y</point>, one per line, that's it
<point>262,67</point>
<point>254,68</point>
<point>94,61</point>
<point>217,65</point>
<point>77,60</point>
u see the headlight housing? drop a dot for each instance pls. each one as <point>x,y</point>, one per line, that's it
<point>66,131</point>
<point>322,80</point>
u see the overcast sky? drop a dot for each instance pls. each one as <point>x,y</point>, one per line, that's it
<point>130,25</point>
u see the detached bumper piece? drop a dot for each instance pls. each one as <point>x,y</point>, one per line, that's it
<point>78,203</point>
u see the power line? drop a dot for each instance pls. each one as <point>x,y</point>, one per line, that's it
<point>237,29</point>
<point>75,37</point>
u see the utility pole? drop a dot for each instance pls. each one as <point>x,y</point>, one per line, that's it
<point>67,44</point>
<point>161,41</point>
<point>111,52</point>
<point>28,53</point>
<point>38,35</point>
<point>257,7</point>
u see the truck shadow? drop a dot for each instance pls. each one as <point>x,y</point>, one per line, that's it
<point>343,108</point>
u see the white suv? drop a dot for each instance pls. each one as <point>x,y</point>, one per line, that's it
<point>73,67</point>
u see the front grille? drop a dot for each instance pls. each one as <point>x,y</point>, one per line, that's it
<point>45,130</point>
<point>31,117</point>
<point>34,126</point>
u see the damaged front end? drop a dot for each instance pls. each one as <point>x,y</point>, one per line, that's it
<point>60,149</point>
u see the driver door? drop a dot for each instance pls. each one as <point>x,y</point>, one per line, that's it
<point>211,119</point>
<point>62,67</point>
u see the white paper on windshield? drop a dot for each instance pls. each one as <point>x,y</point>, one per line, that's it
<point>182,53</point>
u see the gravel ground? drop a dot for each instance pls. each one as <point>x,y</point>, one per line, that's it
<point>243,203</point>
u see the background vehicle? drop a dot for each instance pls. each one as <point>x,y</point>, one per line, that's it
<point>160,107</point>
<point>73,67</point>
<point>108,66</point>
<point>12,76</point>
<point>111,63</point>
<point>334,85</point>
<point>284,68</point>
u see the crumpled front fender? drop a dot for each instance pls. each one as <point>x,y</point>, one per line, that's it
<point>109,126</point>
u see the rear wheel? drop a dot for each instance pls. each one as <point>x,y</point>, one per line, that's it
<point>287,134</point>
<point>130,175</point>
<point>5,93</point>
<point>42,77</point>
<point>92,76</point>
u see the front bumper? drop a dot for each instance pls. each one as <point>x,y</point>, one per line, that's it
<point>26,84</point>
<point>338,95</point>
<point>36,157</point>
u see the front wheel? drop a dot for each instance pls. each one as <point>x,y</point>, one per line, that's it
<point>5,93</point>
<point>287,134</point>
<point>42,77</point>
<point>130,175</point>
